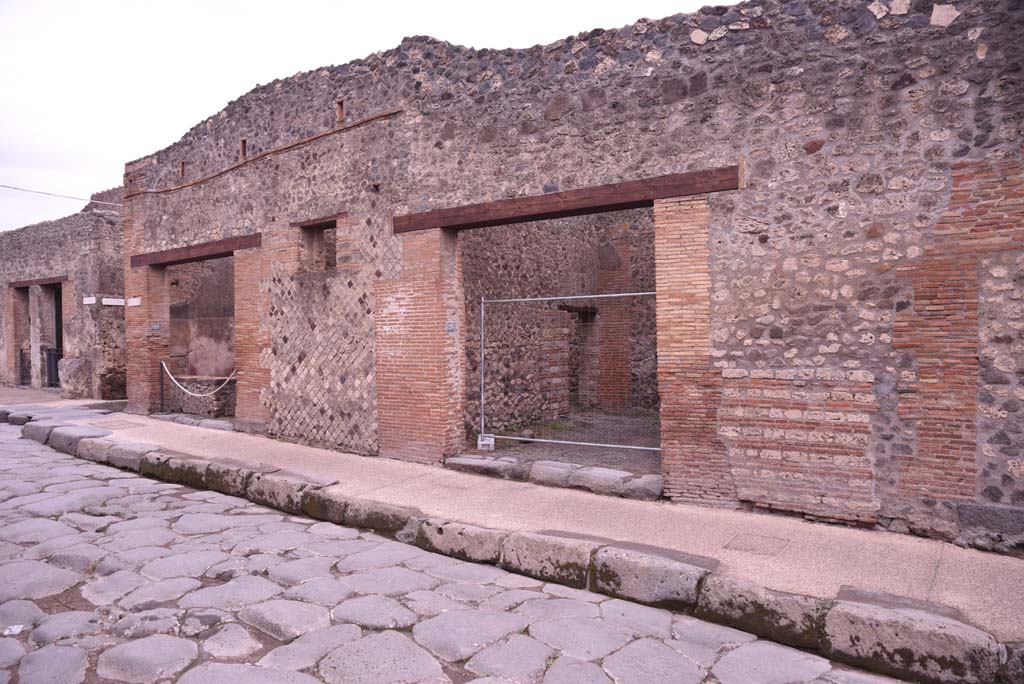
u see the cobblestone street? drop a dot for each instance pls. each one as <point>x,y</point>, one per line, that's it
<point>108,576</point>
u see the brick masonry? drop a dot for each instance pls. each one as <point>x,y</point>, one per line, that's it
<point>82,251</point>
<point>871,250</point>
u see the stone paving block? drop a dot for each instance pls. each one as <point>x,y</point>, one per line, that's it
<point>63,625</point>
<point>535,609</point>
<point>230,477</point>
<point>11,651</point>
<point>492,467</point>
<point>227,673</point>
<point>374,612</point>
<point>383,555</point>
<point>283,619</point>
<point>519,659</point>
<point>66,439</point>
<point>128,455</point>
<point>600,480</point>
<point>644,488</point>
<point>911,643</point>
<point>231,642</point>
<point>96,449</point>
<point>786,618</point>
<point>187,564</point>
<point>302,570</point>
<point>582,639</point>
<point>650,575</point>
<point>34,580</point>
<point>762,662</point>
<point>107,590</point>
<point>643,620</point>
<point>568,670</point>
<point>156,593</point>
<point>548,557</point>
<point>308,649</point>
<point>147,660</point>
<point>458,635</point>
<point>19,613</point>
<point>232,595</point>
<point>176,468</point>
<point>384,658</point>
<point>467,542</point>
<point>39,430</point>
<point>325,591</point>
<point>647,661</point>
<point>147,622</point>
<point>374,515</point>
<point>212,424</point>
<point>53,665</point>
<point>19,418</point>
<point>34,530</point>
<point>389,581</point>
<point>552,473</point>
<point>326,503</point>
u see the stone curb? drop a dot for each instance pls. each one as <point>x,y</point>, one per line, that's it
<point>887,634</point>
<point>607,481</point>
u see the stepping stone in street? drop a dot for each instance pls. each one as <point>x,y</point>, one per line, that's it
<point>147,660</point>
<point>384,658</point>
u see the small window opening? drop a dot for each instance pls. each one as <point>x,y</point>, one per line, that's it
<point>243,148</point>
<point>181,170</point>
<point>339,112</point>
<point>319,247</point>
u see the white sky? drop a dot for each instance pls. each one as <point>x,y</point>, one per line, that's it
<point>90,84</point>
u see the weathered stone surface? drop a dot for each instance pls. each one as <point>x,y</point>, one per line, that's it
<point>643,620</point>
<point>647,661</point>
<point>568,670</point>
<point>147,660</point>
<point>468,542</point>
<point>128,455</point>
<point>235,594</point>
<point>223,673</point>
<point>231,642</point>
<point>39,430</point>
<point>285,620</point>
<point>382,556</point>
<point>374,612</point>
<point>109,589</point>
<point>11,651</point>
<point>536,609</point>
<point>648,575</point>
<point>280,490</point>
<point>34,530</point>
<point>520,658</point>
<point>20,613</point>
<point>301,570</point>
<point>325,504</point>
<point>189,564</point>
<point>59,626</point>
<point>786,618</point>
<point>325,591</point>
<point>644,488</point>
<point>385,658</point>
<point>146,623</point>
<point>551,558</point>
<point>66,439</point>
<point>308,649</point>
<point>95,449</point>
<point>458,635</point>
<point>599,480</point>
<point>766,663</point>
<point>34,580</point>
<point>378,516</point>
<point>492,467</point>
<point>911,643</point>
<point>230,477</point>
<point>551,473</point>
<point>1006,520</point>
<point>53,665</point>
<point>581,639</point>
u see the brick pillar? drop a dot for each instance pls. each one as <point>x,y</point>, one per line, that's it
<point>16,330</point>
<point>615,328</point>
<point>553,344</point>
<point>419,351</point>
<point>147,335</point>
<point>693,459</point>
<point>250,338</point>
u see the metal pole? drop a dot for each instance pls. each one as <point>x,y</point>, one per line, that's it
<point>562,441</point>
<point>483,406</point>
<point>569,297</point>
<point>160,369</point>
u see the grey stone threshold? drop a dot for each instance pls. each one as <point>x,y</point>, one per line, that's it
<point>888,634</point>
<point>607,481</point>
<point>195,421</point>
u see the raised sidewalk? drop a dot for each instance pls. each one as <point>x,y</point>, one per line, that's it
<point>841,566</point>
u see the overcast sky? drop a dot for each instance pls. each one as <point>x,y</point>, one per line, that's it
<point>87,85</point>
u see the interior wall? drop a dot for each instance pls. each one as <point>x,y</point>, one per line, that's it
<point>202,317</point>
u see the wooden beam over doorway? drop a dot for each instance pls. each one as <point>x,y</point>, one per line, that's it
<point>201,252</point>
<point>592,200</point>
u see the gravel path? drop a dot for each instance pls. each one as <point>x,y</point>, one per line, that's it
<point>106,576</point>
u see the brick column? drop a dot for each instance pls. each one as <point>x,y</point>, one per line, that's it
<point>147,335</point>
<point>250,337</point>
<point>615,329</point>
<point>420,357</point>
<point>693,458</point>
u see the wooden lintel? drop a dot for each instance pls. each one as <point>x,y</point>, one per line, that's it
<point>600,198</point>
<point>201,252</point>
<point>322,221</point>
<point>53,280</point>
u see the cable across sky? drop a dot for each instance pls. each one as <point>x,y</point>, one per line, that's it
<point>54,194</point>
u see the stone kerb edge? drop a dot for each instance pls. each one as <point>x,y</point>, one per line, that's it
<point>647,575</point>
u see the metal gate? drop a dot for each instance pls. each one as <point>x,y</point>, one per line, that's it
<point>486,439</point>
<point>24,368</point>
<point>53,357</point>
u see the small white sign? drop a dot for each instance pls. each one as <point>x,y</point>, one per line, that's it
<point>485,442</point>
<point>113,301</point>
<point>135,301</point>
<point>88,300</point>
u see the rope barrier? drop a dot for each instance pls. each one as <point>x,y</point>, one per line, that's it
<point>193,394</point>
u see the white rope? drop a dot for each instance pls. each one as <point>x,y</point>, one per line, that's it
<point>193,394</point>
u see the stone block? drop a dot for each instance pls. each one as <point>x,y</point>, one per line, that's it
<point>644,488</point>
<point>177,468</point>
<point>468,542</point>
<point>911,643</point>
<point>1007,520</point>
<point>39,430</point>
<point>659,577</point>
<point>550,557</point>
<point>232,477</point>
<point>785,618</point>
<point>3,414</point>
<point>95,449</point>
<point>66,439</point>
<point>282,489</point>
<point>128,455</point>
<point>552,473</point>
<point>600,480</point>
<point>378,516</point>
<point>19,418</point>
<point>324,504</point>
<point>217,424</point>
<point>492,467</point>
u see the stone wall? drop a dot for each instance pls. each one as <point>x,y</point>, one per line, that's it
<point>815,278</point>
<point>202,317</point>
<point>81,254</point>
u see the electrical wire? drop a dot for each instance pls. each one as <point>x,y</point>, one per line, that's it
<point>53,194</point>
